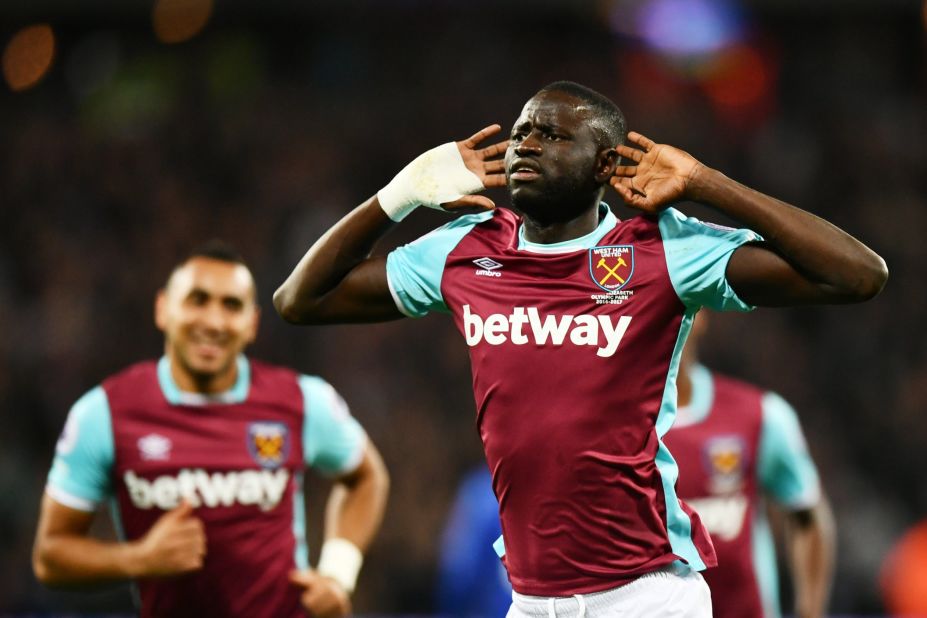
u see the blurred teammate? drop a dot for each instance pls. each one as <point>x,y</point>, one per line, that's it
<point>575,323</point>
<point>737,446</point>
<point>203,453</point>
<point>472,581</point>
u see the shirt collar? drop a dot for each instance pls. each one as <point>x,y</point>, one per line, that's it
<point>607,222</point>
<point>237,394</point>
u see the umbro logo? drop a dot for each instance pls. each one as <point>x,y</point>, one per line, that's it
<point>487,267</point>
<point>154,447</point>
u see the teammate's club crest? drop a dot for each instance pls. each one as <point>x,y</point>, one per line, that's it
<point>725,460</point>
<point>269,443</point>
<point>611,267</point>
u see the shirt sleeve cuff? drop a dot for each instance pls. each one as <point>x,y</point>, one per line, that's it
<point>70,500</point>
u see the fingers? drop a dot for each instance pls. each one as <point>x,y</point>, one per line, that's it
<point>181,511</point>
<point>630,153</point>
<point>494,167</point>
<point>644,142</point>
<point>625,170</point>
<point>496,150</point>
<point>480,135</point>
<point>470,204</point>
<point>303,579</point>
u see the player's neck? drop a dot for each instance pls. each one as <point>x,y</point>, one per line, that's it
<point>562,231</point>
<point>212,384</point>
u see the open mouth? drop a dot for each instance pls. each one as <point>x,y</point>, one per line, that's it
<point>523,171</point>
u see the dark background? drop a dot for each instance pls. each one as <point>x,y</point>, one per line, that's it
<point>273,119</point>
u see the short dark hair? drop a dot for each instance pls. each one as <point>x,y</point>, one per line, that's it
<point>608,120</point>
<point>216,249</point>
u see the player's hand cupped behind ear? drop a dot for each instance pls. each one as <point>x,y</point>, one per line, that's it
<point>175,544</point>
<point>486,164</point>
<point>322,596</point>
<point>661,176</point>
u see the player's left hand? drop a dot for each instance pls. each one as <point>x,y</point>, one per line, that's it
<point>322,596</point>
<point>662,174</point>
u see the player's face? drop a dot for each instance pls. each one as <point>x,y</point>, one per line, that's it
<point>208,315</point>
<point>551,161</point>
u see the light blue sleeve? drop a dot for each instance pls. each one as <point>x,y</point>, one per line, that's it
<point>786,471</point>
<point>333,441</point>
<point>414,271</point>
<point>81,472</point>
<point>697,254</point>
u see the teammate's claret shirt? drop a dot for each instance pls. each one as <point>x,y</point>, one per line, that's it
<point>738,445</point>
<point>574,349</point>
<point>237,457</point>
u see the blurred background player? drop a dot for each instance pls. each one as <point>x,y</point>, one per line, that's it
<point>737,446</point>
<point>202,454</point>
<point>472,581</point>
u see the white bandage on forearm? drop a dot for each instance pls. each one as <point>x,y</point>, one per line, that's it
<point>435,177</point>
<point>341,560</point>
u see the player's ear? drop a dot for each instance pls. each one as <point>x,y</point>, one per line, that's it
<point>605,164</point>
<point>160,309</point>
<point>255,322</point>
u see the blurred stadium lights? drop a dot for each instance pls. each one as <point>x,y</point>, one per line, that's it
<point>904,573</point>
<point>697,43</point>
<point>689,27</point>
<point>740,80</point>
<point>681,30</point>
<point>28,56</point>
<point>176,21</point>
<point>300,9</point>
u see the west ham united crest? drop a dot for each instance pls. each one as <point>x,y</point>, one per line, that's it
<point>725,462</point>
<point>269,443</point>
<point>611,268</point>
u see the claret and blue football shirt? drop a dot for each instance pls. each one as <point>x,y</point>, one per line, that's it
<point>738,445</point>
<point>574,349</point>
<point>237,457</point>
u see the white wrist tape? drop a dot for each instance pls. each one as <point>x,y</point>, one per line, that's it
<point>435,177</point>
<point>341,560</point>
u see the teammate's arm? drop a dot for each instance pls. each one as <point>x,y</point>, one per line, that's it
<point>810,546</point>
<point>804,259</point>
<point>352,517</point>
<point>338,281</point>
<point>65,554</point>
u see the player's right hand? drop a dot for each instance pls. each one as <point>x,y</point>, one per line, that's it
<point>447,177</point>
<point>322,596</point>
<point>175,544</point>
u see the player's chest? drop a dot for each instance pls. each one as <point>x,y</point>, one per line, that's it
<point>619,275</point>
<point>178,437</point>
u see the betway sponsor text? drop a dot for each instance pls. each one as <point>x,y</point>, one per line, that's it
<point>525,325</point>
<point>200,488</point>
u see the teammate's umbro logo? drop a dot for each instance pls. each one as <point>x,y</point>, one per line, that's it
<point>487,267</point>
<point>154,447</point>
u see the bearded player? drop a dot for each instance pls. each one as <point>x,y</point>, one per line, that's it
<point>575,322</point>
<point>202,456</point>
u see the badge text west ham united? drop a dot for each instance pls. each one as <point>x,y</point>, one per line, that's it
<point>611,268</point>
